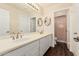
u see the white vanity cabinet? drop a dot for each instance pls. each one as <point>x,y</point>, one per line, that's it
<point>34,48</point>
<point>31,49</point>
<point>45,43</point>
<point>17,52</point>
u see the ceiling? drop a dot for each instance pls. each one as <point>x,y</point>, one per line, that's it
<point>42,6</point>
<point>47,5</point>
<point>23,7</point>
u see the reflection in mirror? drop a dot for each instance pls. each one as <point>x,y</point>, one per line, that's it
<point>24,24</point>
<point>4,22</point>
<point>33,24</point>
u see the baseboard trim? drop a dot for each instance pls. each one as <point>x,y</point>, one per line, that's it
<point>61,41</point>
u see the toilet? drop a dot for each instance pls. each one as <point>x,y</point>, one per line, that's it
<point>55,40</point>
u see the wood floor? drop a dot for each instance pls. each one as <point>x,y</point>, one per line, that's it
<point>59,50</point>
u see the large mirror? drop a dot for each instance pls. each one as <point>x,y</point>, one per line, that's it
<point>17,17</point>
<point>33,24</point>
<point>4,22</point>
<point>27,24</point>
<point>24,23</point>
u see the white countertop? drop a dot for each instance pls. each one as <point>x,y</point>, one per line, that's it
<point>7,44</point>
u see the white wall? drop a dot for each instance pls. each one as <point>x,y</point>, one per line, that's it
<point>74,18</point>
<point>49,28</point>
<point>72,29</point>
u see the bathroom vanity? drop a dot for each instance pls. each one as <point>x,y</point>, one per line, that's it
<point>33,44</point>
<point>14,23</point>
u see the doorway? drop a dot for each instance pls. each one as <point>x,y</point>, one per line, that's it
<point>61,28</point>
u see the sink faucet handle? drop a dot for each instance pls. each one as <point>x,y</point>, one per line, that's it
<point>21,35</point>
<point>17,35</point>
<point>13,38</point>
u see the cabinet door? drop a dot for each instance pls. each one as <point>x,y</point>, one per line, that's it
<point>17,52</point>
<point>44,45</point>
<point>31,49</point>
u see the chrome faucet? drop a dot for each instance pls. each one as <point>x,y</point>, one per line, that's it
<point>19,35</point>
<point>15,35</point>
<point>12,35</point>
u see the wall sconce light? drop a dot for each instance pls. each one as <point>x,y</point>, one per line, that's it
<point>34,6</point>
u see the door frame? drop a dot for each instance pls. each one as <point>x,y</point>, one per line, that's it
<point>68,24</point>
